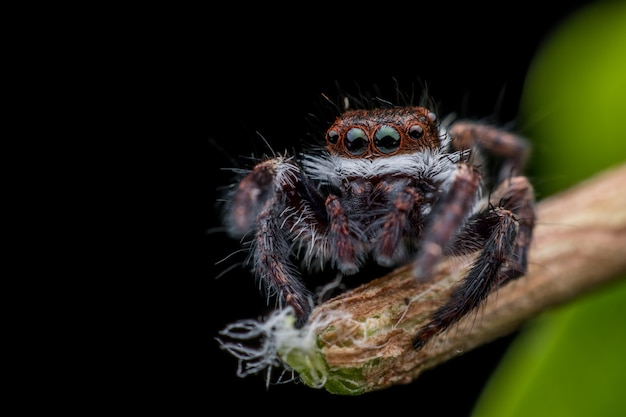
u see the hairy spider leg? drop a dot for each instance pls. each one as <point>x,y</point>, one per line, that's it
<point>510,147</point>
<point>517,194</point>
<point>388,249</point>
<point>513,150</point>
<point>287,214</point>
<point>446,219</point>
<point>341,237</point>
<point>272,262</point>
<point>264,204</point>
<point>507,227</point>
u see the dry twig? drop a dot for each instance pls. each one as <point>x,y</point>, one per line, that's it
<point>579,244</point>
<point>361,341</point>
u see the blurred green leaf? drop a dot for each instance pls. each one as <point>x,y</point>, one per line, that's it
<point>572,361</point>
<point>574,103</point>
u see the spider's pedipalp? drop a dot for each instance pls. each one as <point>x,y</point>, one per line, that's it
<point>402,222</point>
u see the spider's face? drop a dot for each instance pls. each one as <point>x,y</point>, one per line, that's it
<point>382,132</point>
<point>395,186</point>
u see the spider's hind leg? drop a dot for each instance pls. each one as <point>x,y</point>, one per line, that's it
<point>512,150</point>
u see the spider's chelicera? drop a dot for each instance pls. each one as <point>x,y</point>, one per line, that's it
<point>392,186</point>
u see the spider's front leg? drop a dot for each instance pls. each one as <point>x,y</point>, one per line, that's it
<point>505,231</point>
<point>502,231</point>
<point>280,206</point>
<point>264,205</point>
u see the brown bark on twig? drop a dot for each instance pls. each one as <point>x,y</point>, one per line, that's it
<point>579,244</point>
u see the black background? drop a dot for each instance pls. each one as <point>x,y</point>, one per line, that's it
<point>238,75</point>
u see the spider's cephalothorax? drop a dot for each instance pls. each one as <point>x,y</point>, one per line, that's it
<point>393,186</point>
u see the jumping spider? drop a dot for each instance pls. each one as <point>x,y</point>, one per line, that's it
<point>393,185</point>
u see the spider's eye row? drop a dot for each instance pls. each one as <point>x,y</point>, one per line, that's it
<point>387,139</point>
<point>356,141</point>
<point>332,137</point>
<point>416,132</point>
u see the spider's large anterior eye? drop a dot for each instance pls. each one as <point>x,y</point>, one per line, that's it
<point>332,137</point>
<point>356,141</point>
<point>416,132</point>
<point>387,139</point>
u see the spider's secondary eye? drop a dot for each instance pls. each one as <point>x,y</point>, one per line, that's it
<point>416,132</point>
<point>356,141</point>
<point>387,139</point>
<point>332,137</point>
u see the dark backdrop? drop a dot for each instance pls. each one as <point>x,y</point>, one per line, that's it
<point>240,75</point>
